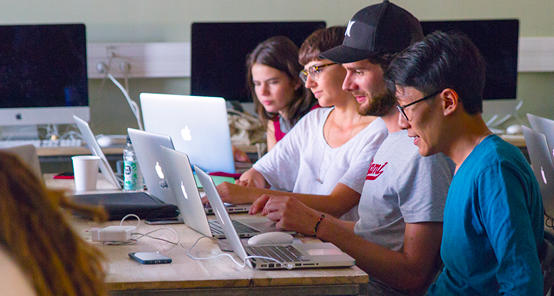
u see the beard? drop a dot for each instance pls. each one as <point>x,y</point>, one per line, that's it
<point>379,105</point>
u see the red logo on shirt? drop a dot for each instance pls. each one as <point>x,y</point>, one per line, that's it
<point>375,170</point>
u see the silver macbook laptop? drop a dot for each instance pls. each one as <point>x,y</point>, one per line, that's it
<point>231,208</point>
<point>544,126</point>
<point>148,150</point>
<point>27,154</point>
<point>95,149</point>
<point>542,165</point>
<point>312,255</point>
<point>119,204</point>
<point>181,180</point>
<point>197,125</point>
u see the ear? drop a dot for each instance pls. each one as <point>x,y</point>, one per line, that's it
<point>450,101</point>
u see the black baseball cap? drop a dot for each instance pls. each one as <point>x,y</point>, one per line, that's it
<point>379,28</point>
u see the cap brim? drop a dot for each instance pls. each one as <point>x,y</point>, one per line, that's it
<point>343,54</point>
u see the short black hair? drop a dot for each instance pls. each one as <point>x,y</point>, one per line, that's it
<point>439,61</point>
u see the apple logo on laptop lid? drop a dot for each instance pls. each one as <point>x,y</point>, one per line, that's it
<point>185,133</point>
<point>159,171</point>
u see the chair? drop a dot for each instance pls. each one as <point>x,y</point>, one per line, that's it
<point>546,256</point>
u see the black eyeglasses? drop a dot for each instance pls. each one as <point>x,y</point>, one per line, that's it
<point>313,71</point>
<point>401,108</point>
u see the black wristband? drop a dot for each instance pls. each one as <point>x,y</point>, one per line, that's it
<point>317,224</point>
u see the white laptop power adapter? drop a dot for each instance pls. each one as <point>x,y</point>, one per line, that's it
<point>112,233</point>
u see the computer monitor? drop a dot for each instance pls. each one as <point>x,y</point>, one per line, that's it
<point>43,74</point>
<point>219,50</point>
<point>497,40</point>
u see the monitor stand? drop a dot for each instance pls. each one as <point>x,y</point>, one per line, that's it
<point>497,112</point>
<point>19,132</point>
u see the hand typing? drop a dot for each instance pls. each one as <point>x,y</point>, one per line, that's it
<point>288,212</point>
<point>232,193</point>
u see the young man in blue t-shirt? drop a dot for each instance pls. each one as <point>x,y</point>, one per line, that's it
<point>493,217</point>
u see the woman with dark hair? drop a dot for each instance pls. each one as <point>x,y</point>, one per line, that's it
<point>278,93</point>
<point>40,253</point>
<point>324,159</point>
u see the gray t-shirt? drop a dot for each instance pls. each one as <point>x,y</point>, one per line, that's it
<point>402,187</point>
<point>303,156</point>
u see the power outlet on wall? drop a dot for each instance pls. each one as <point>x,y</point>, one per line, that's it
<point>153,60</point>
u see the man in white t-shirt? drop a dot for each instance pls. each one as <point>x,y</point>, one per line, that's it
<point>397,238</point>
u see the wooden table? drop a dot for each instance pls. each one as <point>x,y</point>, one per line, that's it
<point>205,277</point>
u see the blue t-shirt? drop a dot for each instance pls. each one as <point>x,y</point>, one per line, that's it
<point>493,225</point>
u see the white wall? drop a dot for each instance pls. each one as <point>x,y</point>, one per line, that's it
<point>169,21</point>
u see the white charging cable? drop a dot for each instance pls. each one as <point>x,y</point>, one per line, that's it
<point>141,235</point>
<point>516,113</point>
<point>123,235</point>
<point>232,258</point>
<point>132,104</point>
<point>102,68</point>
<point>130,215</point>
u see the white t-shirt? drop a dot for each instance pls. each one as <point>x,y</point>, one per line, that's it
<point>13,281</point>
<point>303,156</point>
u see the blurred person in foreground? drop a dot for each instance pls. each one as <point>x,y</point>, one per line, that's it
<point>40,253</point>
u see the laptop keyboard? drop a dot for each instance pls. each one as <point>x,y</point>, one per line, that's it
<point>282,253</point>
<point>240,227</point>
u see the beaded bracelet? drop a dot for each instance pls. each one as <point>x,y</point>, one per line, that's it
<point>317,224</point>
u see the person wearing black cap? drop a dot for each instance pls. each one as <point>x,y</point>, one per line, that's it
<point>493,218</point>
<point>397,238</point>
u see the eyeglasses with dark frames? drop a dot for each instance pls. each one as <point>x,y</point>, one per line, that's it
<point>401,108</point>
<point>313,71</point>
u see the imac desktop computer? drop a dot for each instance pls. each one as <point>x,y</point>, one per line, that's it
<point>498,41</point>
<point>43,76</point>
<point>219,50</point>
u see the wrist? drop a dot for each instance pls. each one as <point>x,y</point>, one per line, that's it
<point>317,224</point>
